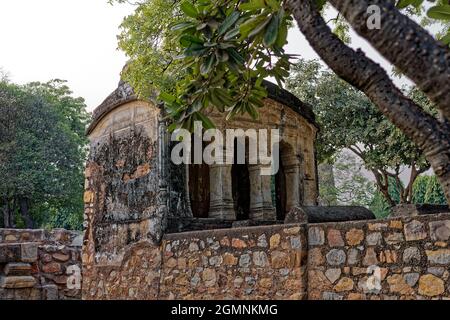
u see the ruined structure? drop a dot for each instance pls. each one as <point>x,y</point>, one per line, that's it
<point>141,193</point>
<point>154,230</point>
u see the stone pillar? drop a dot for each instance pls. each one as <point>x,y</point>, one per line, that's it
<point>261,206</point>
<point>221,197</point>
<point>293,180</point>
<point>158,220</point>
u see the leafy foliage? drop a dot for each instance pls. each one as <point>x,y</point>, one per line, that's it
<point>351,186</point>
<point>42,153</point>
<point>428,190</point>
<point>201,53</point>
<point>348,120</point>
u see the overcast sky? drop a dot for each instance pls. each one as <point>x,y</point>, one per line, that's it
<point>75,40</point>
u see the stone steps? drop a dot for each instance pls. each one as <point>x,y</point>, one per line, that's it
<point>17,282</point>
<point>18,252</point>
<point>17,269</point>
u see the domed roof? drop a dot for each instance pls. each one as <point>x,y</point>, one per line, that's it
<point>124,94</point>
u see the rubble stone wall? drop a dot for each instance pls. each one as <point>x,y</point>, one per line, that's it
<point>40,265</point>
<point>245,263</point>
<point>397,258</point>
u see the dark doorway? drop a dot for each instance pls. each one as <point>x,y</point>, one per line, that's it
<point>199,190</point>
<point>199,186</point>
<point>280,192</point>
<point>241,188</point>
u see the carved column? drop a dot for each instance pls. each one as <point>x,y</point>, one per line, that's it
<point>261,206</point>
<point>158,221</point>
<point>292,172</point>
<point>221,203</point>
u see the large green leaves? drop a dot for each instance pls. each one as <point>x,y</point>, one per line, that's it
<point>228,22</point>
<point>439,12</point>
<point>189,9</point>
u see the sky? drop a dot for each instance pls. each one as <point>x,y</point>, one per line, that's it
<point>75,40</point>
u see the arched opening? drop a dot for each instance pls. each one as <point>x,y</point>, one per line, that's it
<point>240,186</point>
<point>280,192</point>
<point>199,187</point>
<point>286,182</point>
<point>199,190</point>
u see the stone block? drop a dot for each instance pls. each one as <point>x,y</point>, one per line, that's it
<point>414,231</point>
<point>50,292</point>
<point>440,230</point>
<point>29,252</point>
<point>439,256</point>
<point>354,237</point>
<point>10,252</point>
<point>17,269</point>
<point>334,238</point>
<point>336,257</point>
<point>316,236</point>
<point>17,282</point>
<point>431,286</point>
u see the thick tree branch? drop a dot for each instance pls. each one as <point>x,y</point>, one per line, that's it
<point>406,45</point>
<point>364,74</point>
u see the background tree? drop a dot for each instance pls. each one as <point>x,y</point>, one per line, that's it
<point>350,121</point>
<point>351,186</point>
<point>228,47</point>
<point>43,148</point>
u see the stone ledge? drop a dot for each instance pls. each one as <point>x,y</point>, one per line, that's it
<point>18,252</point>
<point>17,269</point>
<point>17,282</point>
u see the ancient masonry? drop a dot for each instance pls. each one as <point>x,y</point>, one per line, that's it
<point>37,265</point>
<point>154,230</point>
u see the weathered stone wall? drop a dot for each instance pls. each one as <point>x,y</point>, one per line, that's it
<point>411,255</point>
<point>38,264</point>
<point>325,261</point>
<point>245,263</point>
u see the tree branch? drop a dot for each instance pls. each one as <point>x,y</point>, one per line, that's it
<point>406,45</point>
<point>369,77</point>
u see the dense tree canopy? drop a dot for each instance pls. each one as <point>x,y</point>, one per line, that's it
<point>42,153</point>
<point>348,120</point>
<point>225,48</point>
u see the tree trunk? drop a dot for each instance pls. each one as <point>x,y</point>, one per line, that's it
<point>406,45</point>
<point>354,67</point>
<point>8,213</point>
<point>25,213</point>
<point>6,221</point>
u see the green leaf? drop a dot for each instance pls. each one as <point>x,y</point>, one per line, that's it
<point>182,26</point>
<point>206,66</point>
<point>439,12</point>
<point>236,56</point>
<point>189,9</point>
<point>282,35</point>
<point>172,127</point>
<point>404,3</point>
<point>446,39</point>
<point>166,97</point>
<point>271,34</point>
<point>260,27</point>
<point>231,34</point>
<point>320,4</point>
<point>187,39</point>
<point>228,22</point>
<point>219,104</point>
<point>274,4</point>
<point>207,123</point>
<point>250,25</point>
<point>252,5</point>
